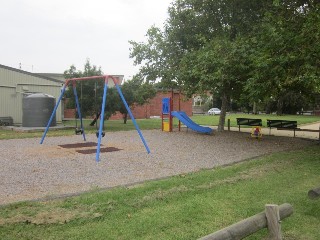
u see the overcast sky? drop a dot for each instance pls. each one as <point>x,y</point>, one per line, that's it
<point>51,35</point>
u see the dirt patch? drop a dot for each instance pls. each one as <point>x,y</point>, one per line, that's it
<point>48,151</point>
<point>102,150</point>
<point>56,215</point>
<point>79,145</point>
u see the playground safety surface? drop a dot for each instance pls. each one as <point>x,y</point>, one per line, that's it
<point>88,145</point>
<point>31,170</point>
<point>79,145</point>
<point>103,150</point>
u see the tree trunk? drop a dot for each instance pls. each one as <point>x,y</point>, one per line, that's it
<point>223,113</point>
<point>280,106</point>
<point>125,118</point>
<point>254,108</point>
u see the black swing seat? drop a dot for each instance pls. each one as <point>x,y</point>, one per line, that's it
<point>78,131</point>
<point>102,134</point>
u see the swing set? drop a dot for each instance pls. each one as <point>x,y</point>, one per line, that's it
<point>100,133</point>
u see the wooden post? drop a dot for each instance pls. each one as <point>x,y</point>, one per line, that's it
<point>314,193</point>
<point>273,219</point>
<point>229,125</point>
<point>248,226</point>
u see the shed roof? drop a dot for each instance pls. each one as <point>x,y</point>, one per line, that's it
<point>31,74</point>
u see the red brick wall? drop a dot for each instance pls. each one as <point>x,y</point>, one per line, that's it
<point>153,108</point>
<point>69,113</point>
<point>156,103</point>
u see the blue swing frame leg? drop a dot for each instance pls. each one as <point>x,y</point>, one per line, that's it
<point>53,113</point>
<point>79,112</point>
<point>132,118</point>
<point>101,120</point>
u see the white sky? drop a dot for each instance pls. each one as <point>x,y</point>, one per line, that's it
<point>51,35</point>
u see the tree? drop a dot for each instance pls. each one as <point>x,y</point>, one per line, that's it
<point>136,92</point>
<point>198,48</point>
<point>220,67</point>
<point>285,60</point>
<point>90,92</point>
<point>255,52</point>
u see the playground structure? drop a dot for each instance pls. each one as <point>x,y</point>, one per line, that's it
<point>100,133</point>
<point>167,122</point>
<point>168,114</point>
<point>256,132</point>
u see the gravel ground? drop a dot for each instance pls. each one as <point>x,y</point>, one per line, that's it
<point>31,171</point>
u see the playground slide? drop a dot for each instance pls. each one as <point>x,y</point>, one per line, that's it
<point>183,117</point>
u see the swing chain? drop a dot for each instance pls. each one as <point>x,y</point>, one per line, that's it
<point>102,134</point>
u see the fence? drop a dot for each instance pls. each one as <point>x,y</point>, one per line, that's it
<point>270,219</point>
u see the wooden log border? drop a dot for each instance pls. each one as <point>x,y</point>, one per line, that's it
<point>253,224</point>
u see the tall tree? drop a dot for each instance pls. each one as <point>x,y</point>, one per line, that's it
<point>285,60</point>
<point>90,92</point>
<point>136,92</point>
<point>221,67</point>
<point>198,30</point>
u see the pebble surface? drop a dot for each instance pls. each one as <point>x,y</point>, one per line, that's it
<point>30,170</point>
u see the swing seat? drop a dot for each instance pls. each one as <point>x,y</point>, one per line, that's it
<point>102,134</point>
<point>78,131</point>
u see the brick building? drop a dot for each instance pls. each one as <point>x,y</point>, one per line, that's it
<point>153,108</point>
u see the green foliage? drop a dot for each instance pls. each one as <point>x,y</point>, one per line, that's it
<point>247,51</point>
<point>150,55</point>
<point>90,92</point>
<point>136,92</point>
<point>202,47</point>
<point>285,57</point>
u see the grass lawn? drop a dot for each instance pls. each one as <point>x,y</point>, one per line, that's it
<point>110,126</point>
<point>145,124</point>
<point>182,207</point>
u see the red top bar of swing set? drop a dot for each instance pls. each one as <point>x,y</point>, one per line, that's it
<point>106,77</point>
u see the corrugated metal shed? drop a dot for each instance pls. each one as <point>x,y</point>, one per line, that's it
<point>15,84</point>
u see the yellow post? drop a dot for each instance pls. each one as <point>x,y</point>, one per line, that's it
<point>166,127</point>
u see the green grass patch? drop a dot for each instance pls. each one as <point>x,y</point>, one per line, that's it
<point>147,124</point>
<point>109,126</point>
<point>182,207</point>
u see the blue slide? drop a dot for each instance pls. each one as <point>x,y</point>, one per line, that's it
<point>183,117</point>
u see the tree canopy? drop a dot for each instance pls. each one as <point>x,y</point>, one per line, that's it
<point>90,93</point>
<point>252,50</point>
<point>136,92</point>
<point>285,61</point>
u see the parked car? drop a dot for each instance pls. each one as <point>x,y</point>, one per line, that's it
<point>214,111</point>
